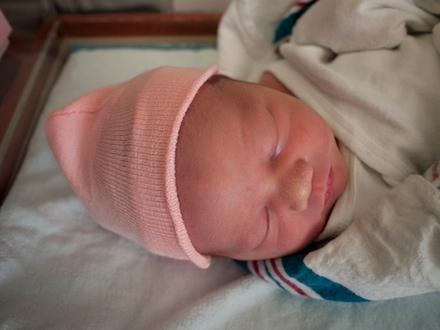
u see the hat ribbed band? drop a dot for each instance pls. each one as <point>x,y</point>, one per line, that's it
<point>172,198</point>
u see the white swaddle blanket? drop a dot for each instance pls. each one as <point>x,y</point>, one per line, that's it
<point>371,69</point>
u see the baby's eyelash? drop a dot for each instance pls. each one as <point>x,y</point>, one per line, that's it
<point>277,149</point>
<point>266,210</point>
<point>266,232</point>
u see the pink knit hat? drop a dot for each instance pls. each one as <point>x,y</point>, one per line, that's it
<point>116,146</point>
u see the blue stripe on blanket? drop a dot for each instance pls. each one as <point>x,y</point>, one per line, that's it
<point>285,27</point>
<point>272,277</point>
<point>295,267</point>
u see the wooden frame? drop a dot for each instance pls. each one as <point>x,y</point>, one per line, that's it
<point>29,69</point>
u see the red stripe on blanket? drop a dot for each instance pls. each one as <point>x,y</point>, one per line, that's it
<point>257,269</point>
<point>286,280</point>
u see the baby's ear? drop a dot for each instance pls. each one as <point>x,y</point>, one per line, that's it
<point>267,79</point>
<point>216,78</point>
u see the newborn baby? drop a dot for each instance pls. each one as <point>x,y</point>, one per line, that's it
<point>257,170</point>
<point>191,164</point>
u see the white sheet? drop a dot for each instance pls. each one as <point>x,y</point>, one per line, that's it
<point>59,270</point>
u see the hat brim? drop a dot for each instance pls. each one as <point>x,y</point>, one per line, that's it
<point>200,260</point>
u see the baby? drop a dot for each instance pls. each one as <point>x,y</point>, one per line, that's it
<point>192,164</point>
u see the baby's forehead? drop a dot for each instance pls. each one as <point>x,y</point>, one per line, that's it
<point>223,97</point>
<point>223,112</point>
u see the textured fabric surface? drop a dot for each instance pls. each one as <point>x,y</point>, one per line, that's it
<point>59,270</point>
<point>117,146</point>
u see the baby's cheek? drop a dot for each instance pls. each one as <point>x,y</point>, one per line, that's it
<point>247,239</point>
<point>296,233</point>
<point>258,235</point>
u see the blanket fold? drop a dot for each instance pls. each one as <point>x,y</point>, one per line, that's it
<point>355,25</point>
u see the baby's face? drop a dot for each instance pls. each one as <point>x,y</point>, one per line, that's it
<point>258,171</point>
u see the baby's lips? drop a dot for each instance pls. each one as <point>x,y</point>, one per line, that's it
<point>299,186</point>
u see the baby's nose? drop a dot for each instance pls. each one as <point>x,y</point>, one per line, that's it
<point>297,185</point>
